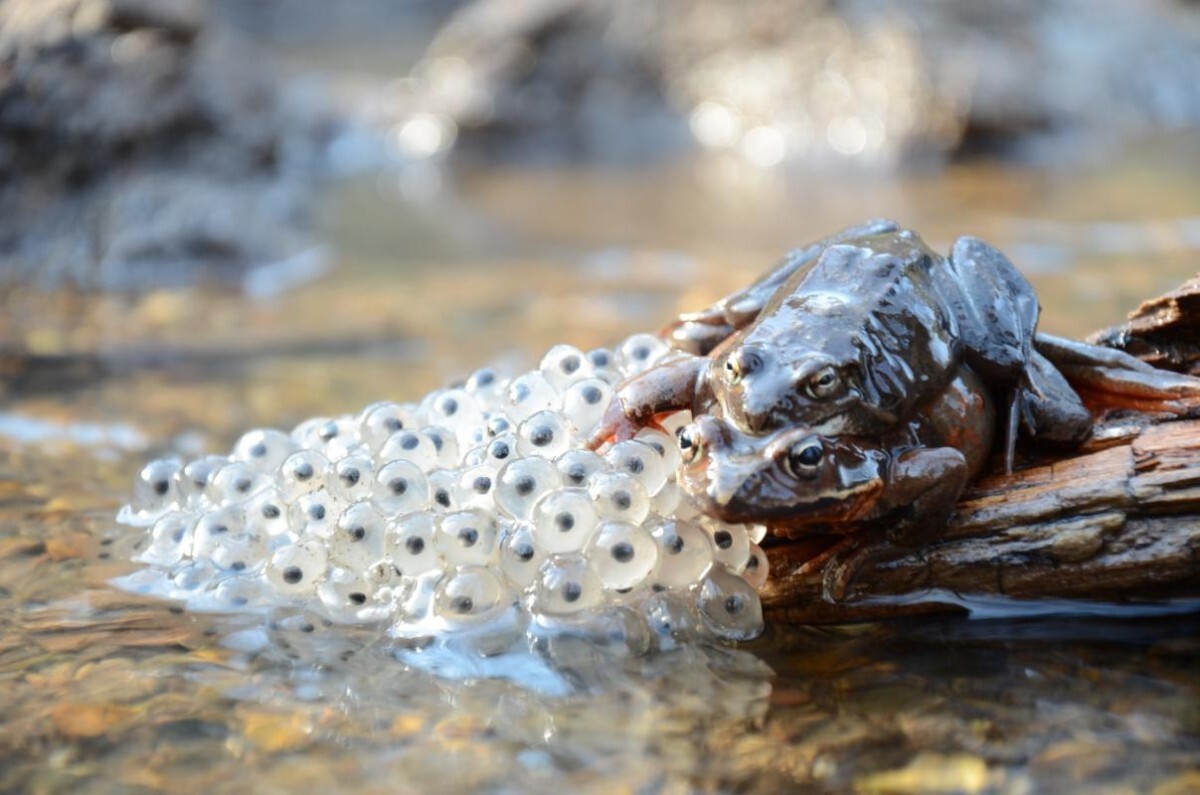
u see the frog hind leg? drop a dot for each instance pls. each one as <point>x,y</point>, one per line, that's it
<point>923,486</point>
<point>996,311</point>
<point>1112,379</point>
<point>699,332</point>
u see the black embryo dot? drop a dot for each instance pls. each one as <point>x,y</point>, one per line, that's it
<point>622,552</point>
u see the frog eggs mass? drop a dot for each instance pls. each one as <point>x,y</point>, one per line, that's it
<point>476,513</point>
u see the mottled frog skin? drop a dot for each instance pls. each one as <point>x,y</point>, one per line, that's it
<point>800,481</point>
<point>857,385</point>
<point>852,335</point>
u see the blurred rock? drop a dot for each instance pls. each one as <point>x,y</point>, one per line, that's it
<point>141,145</point>
<point>798,80</point>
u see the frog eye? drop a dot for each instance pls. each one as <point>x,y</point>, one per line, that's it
<point>690,446</point>
<point>824,383</point>
<point>804,459</point>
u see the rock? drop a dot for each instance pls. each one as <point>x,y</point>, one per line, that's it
<point>143,144</point>
<point>806,80</point>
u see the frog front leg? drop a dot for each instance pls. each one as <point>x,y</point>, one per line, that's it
<point>699,332</point>
<point>922,487</point>
<point>677,384</point>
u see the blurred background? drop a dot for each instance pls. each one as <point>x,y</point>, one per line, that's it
<point>200,182</point>
<point>217,215</point>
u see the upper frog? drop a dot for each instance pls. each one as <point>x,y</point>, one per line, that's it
<point>851,336</point>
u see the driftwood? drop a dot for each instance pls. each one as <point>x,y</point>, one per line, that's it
<point>1118,519</point>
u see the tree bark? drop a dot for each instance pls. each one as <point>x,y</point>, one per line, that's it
<point>1118,519</point>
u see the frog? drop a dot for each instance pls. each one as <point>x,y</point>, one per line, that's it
<point>851,335</point>
<point>867,495</point>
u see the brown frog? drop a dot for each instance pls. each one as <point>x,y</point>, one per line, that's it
<point>859,493</point>
<point>852,335</point>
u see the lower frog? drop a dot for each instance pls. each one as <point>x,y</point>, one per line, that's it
<point>858,493</point>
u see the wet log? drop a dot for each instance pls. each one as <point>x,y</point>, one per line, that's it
<point>1117,520</point>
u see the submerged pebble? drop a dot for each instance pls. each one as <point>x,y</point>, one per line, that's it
<point>476,512</point>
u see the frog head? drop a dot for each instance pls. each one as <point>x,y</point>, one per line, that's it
<point>792,478</point>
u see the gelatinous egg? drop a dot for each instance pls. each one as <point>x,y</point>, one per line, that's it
<point>639,352</point>
<point>577,466</point>
<point>446,444</point>
<point>155,489</point>
<point>214,529</point>
<point>665,444</point>
<point>263,449</point>
<point>666,501</point>
<point>240,591</point>
<point>297,568</point>
<point>266,515</point>
<point>466,538</point>
<point>671,616</point>
<point>527,395</point>
<point>565,520</point>
<point>443,489</point>
<point>729,607</point>
<point>685,554</point>
<point>378,421</point>
<point>400,487</point>
<point>194,478</point>
<point>563,365</point>
<point>622,555</point>
<point>236,481</point>
<point>500,450</point>
<point>731,545</point>
<point>410,445</point>
<point>359,540</point>
<point>757,568</point>
<point>520,555</point>
<point>619,496</point>
<point>192,575</point>
<point>410,544</point>
<point>302,473</point>
<point>639,460</point>
<point>333,437</point>
<point>565,586</point>
<point>543,434</point>
<point>352,478</point>
<point>475,486</point>
<point>345,590</point>
<point>468,593</point>
<point>315,515</point>
<point>452,409</point>
<point>170,539</point>
<point>584,403</point>
<point>486,387</point>
<point>521,483</point>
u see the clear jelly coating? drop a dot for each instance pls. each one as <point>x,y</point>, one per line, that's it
<point>584,403</point>
<point>685,554</point>
<point>156,489</point>
<point>565,520</point>
<point>477,509</point>
<point>622,555</point>
<point>399,487</point>
<point>265,450</point>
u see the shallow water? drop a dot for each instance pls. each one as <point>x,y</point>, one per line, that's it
<point>104,691</point>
